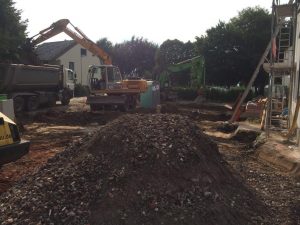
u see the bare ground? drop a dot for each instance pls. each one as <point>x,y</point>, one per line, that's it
<point>50,131</point>
<point>279,190</point>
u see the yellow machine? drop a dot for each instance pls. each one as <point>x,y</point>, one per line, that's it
<point>109,90</point>
<point>107,87</point>
<point>11,145</point>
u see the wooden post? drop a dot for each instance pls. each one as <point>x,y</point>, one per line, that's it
<point>254,75</point>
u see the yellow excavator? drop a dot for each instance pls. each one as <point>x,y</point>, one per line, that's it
<point>107,87</point>
<point>11,145</point>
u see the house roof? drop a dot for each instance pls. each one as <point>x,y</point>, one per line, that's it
<point>52,50</point>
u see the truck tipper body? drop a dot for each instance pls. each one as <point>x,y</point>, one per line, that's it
<point>33,86</point>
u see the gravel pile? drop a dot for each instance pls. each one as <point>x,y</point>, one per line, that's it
<point>138,169</point>
<point>74,118</point>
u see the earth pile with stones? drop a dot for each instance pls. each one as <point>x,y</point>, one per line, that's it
<point>137,169</point>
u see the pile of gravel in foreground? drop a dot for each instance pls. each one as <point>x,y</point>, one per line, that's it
<point>138,169</point>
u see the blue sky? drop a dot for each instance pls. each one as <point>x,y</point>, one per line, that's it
<point>119,20</point>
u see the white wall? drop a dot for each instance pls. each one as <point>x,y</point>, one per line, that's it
<point>81,63</point>
<point>295,76</point>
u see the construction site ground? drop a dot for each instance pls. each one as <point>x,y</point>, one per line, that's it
<point>52,130</point>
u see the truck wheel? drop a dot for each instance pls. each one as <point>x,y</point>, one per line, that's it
<point>133,106</point>
<point>93,107</point>
<point>96,107</point>
<point>65,101</point>
<point>124,107</point>
<point>33,103</point>
<point>19,104</point>
<point>133,102</point>
<point>52,101</point>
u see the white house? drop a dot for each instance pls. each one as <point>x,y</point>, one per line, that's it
<point>69,54</point>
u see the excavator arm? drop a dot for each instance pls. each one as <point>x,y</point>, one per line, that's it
<point>77,35</point>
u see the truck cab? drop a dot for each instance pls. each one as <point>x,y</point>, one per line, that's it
<point>33,86</point>
<point>69,79</point>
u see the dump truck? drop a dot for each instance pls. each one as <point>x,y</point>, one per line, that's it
<point>12,147</point>
<point>33,86</point>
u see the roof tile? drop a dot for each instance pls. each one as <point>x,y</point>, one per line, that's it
<point>52,50</point>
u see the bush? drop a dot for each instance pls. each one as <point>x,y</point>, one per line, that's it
<point>81,90</point>
<point>186,93</point>
<point>226,94</point>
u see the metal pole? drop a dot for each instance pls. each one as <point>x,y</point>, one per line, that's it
<point>255,73</point>
<point>270,86</point>
<point>81,67</point>
<point>261,61</point>
<point>203,64</point>
<point>269,105</point>
<point>293,71</point>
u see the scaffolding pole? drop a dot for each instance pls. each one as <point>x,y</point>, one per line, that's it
<point>270,86</point>
<point>261,61</point>
<point>254,75</point>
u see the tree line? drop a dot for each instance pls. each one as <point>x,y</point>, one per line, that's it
<point>231,49</point>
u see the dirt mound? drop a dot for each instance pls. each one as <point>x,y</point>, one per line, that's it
<point>227,127</point>
<point>245,135</point>
<point>74,118</point>
<point>138,169</point>
<point>198,112</point>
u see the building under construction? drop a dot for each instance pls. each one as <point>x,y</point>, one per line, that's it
<point>281,60</point>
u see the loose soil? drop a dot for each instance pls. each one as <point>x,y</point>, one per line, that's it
<point>278,189</point>
<point>138,169</point>
<point>166,171</point>
<point>51,132</point>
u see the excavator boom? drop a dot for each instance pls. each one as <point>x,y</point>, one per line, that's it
<point>105,81</point>
<point>78,36</point>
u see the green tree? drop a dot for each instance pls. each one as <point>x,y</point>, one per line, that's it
<point>220,47</point>
<point>174,51</point>
<point>12,31</point>
<point>254,27</point>
<point>106,45</point>
<point>136,54</point>
<point>171,52</point>
<point>233,49</point>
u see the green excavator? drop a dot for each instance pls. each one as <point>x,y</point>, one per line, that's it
<point>191,72</point>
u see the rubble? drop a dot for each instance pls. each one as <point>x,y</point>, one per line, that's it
<point>245,135</point>
<point>227,127</point>
<point>137,169</point>
<point>74,118</point>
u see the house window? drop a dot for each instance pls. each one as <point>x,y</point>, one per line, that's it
<point>82,52</point>
<point>72,66</point>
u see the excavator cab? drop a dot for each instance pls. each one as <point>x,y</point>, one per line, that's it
<point>109,90</point>
<point>105,77</point>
